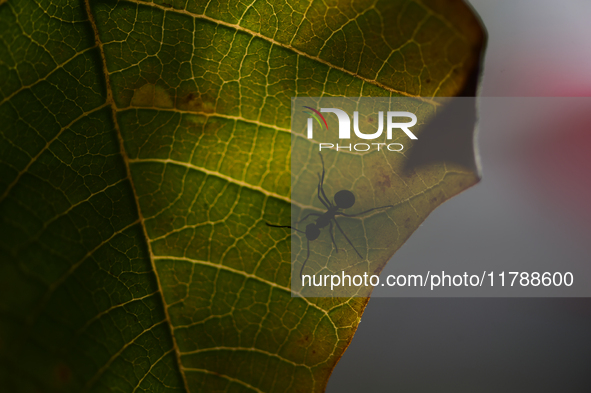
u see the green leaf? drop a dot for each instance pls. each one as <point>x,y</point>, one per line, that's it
<point>134,255</point>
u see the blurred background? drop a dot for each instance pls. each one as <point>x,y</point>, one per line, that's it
<point>533,203</point>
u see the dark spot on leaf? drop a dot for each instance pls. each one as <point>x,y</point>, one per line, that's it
<point>427,80</point>
<point>194,102</point>
<point>63,373</point>
<point>384,182</point>
<point>407,223</point>
<point>304,341</point>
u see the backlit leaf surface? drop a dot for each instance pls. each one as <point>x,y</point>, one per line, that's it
<point>145,144</point>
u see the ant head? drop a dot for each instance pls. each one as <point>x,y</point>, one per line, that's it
<point>344,199</point>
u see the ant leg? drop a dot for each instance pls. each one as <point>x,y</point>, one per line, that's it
<point>307,256</point>
<point>327,202</point>
<point>367,211</point>
<point>322,180</point>
<point>341,229</point>
<point>285,226</point>
<point>310,214</point>
<point>331,230</point>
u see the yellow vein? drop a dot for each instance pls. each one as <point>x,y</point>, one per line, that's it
<point>280,44</point>
<point>47,223</point>
<point>224,177</point>
<point>33,159</point>
<point>57,67</point>
<point>105,366</point>
<point>71,271</point>
<point>208,114</point>
<point>150,369</point>
<point>108,310</point>
<point>247,275</point>
<point>245,349</point>
<point>238,381</point>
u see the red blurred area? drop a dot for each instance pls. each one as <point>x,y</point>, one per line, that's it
<point>558,163</point>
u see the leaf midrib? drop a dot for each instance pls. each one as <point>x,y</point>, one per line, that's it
<point>111,102</point>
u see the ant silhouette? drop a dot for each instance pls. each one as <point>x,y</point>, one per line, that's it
<point>343,199</point>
